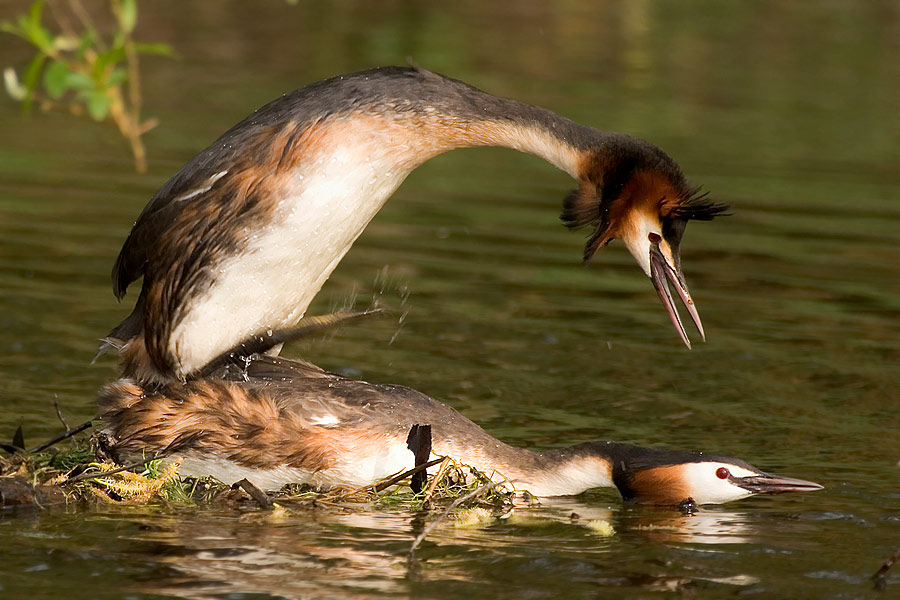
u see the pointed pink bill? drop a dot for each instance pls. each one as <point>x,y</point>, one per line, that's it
<point>661,273</point>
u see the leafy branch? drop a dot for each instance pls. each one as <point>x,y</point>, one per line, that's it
<point>79,67</point>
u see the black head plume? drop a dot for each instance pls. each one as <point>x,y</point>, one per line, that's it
<point>695,206</point>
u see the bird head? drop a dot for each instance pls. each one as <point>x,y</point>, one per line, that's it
<point>632,191</point>
<point>670,478</point>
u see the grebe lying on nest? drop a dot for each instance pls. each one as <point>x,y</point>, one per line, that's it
<point>276,421</point>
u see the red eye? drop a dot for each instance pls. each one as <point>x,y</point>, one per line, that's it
<point>722,473</point>
<point>654,238</point>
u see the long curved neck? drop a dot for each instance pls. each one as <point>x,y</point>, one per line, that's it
<point>401,133</point>
<point>347,164</point>
<point>516,126</point>
<point>430,113</point>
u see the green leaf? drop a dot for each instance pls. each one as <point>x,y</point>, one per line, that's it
<point>13,28</point>
<point>32,74</point>
<point>158,48</point>
<point>55,79</point>
<point>88,38</point>
<point>39,35</point>
<point>111,56</point>
<point>117,77</point>
<point>128,15</point>
<point>105,59</point>
<point>43,39</point>
<point>36,12</point>
<point>98,105</point>
<point>79,81</point>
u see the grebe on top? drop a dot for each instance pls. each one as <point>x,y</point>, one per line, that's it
<point>241,239</point>
<point>275,421</point>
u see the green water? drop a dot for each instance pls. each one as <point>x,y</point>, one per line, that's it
<point>786,110</point>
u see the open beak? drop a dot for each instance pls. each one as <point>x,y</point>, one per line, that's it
<point>661,273</point>
<point>772,484</point>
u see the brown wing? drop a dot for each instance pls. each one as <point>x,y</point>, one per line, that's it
<point>203,215</point>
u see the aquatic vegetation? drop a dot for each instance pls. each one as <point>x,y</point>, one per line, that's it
<point>79,473</point>
<point>601,527</point>
<point>472,518</point>
<point>137,488</point>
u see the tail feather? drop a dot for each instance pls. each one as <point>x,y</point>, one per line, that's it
<point>137,359</point>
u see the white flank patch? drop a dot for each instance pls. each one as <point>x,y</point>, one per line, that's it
<point>358,471</point>
<point>207,185</point>
<point>324,420</point>
<point>361,470</point>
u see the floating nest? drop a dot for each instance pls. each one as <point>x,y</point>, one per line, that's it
<point>72,470</point>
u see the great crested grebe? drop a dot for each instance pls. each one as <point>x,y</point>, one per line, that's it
<point>241,239</point>
<point>275,421</point>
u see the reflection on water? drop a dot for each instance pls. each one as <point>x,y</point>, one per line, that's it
<point>279,556</point>
<point>364,554</point>
<point>785,110</point>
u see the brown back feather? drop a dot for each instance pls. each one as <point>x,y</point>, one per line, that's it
<point>238,422</point>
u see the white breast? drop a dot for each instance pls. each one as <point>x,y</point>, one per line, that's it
<point>272,282</point>
<point>358,470</point>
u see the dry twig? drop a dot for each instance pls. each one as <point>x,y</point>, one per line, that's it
<point>880,575</point>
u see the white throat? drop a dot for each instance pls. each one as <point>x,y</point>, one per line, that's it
<point>570,478</point>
